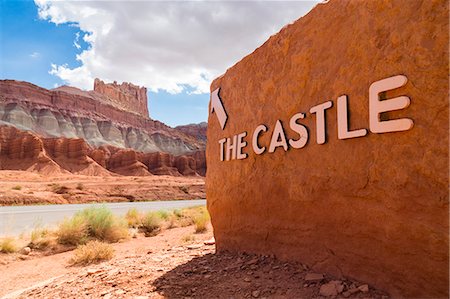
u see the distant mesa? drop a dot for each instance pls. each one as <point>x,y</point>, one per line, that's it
<point>98,132</point>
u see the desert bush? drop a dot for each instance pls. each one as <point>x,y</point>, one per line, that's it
<point>72,231</point>
<point>201,222</point>
<point>133,218</point>
<point>18,187</point>
<point>41,238</point>
<point>103,225</point>
<point>151,223</point>
<point>80,186</point>
<point>188,239</point>
<point>164,215</point>
<point>92,252</point>
<point>8,245</point>
<point>185,189</point>
<point>58,189</point>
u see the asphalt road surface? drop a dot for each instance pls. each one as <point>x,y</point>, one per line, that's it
<point>22,219</point>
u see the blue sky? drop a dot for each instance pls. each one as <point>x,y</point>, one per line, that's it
<point>171,47</point>
<point>29,45</point>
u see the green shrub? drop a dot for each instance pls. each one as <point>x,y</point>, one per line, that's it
<point>93,252</point>
<point>103,225</point>
<point>151,223</point>
<point>164,215</point>
<point>133,218</point>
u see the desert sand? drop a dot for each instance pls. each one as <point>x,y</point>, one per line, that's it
<point>168,266</point>
<point>25,188</point>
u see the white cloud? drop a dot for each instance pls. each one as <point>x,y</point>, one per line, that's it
<point>35,55</point>
<point>76,41</point>
<point>166,45</point>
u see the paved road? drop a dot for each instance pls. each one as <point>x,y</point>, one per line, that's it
<point>18,219</point>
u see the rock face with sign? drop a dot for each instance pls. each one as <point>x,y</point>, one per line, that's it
<point>329,145</point>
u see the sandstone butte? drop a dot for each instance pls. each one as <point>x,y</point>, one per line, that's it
<point>373,208</point>
<point>100,132</point>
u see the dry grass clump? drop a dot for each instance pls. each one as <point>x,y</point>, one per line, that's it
<point>198,216</point>
<point>92,223</point>
<point>72,231</point>
<point>18,187</point>
<point>80,186</point>
<point>8,245</point>
<point>151,223</point>
<point>133,218</point>
<point>92,252</point>
<point>58,189</point>
<point>188,239</point>
<point>103,225</point>
<point>41,238</point>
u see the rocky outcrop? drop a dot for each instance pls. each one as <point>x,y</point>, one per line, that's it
<point>373,207</point>
<point>24,150</point>
<point>72,113</point>
<point>125,96</point>
<point>196,130</point>
<point>73,155</point>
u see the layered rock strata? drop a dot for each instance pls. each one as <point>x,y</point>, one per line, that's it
<point>71,113</point>
<point>321,190</point>
<point>24,150</point>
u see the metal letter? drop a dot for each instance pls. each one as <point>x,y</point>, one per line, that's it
<point>258,150</point>
<point>230,153</point>
<point>278,133</point>
<point>342,117</point>
<point>319,110</point>
<point>376,107</point>
<point>240,145</point>
<point>221,142</point>
<point>300,129</point>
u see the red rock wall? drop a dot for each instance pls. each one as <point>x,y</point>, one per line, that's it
<point>373,208</point>
<point>24,150</point>
<point>126,96</point>
<point>31,96</point>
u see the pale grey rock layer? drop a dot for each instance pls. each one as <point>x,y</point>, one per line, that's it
<point>55,123</point>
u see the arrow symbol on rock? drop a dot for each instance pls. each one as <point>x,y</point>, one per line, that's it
<point>217,106</point>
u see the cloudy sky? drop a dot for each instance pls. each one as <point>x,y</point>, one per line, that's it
<point>174,48</point>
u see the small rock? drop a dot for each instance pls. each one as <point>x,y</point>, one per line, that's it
<point>328,289</point>
<point>349,292</point>
<point>211,241</point>
<point>26,250</point>
<point>247,279</point>
<point>255,294</point>
<point>364,288</point>
<point>93,271</point>
<point>313,277</point>
<point>194,246</point>
<point>24,257</point>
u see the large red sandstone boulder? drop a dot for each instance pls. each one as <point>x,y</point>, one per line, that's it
<point>373,207</point>
<point>126,162</point>
<point>20,150</point>
<point>73,155</point>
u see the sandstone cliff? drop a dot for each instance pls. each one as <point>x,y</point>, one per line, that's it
<point>24,150</point>
<point>113,115</point>
<point>196,130</point>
